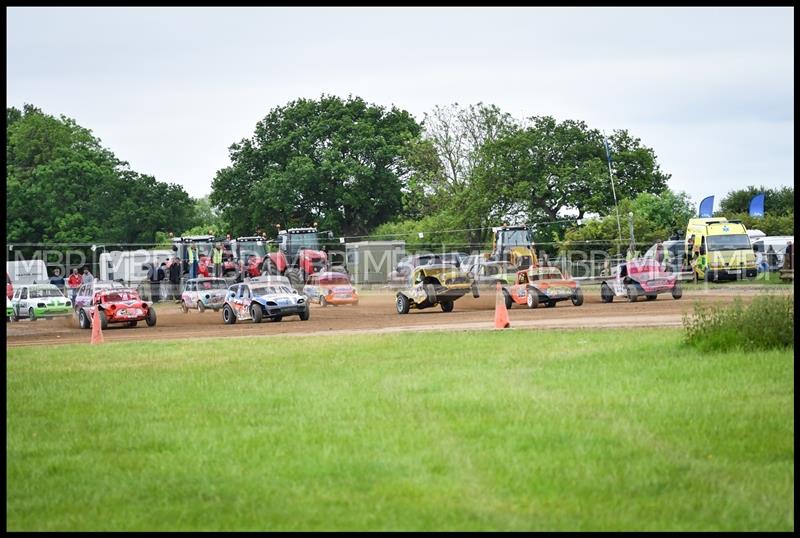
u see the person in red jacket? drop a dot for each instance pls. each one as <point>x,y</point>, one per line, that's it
<point>73,283</point>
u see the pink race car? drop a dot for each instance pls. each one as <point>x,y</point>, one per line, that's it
<point>639,277</point>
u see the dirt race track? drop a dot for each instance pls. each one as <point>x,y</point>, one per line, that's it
<point>376,313</point>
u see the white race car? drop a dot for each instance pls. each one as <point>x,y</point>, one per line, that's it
<point>34,301</point>
<point>264,297</point>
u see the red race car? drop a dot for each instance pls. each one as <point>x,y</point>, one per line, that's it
<point>638,278</point>
<point>117,305</point>
<point>542,285</point>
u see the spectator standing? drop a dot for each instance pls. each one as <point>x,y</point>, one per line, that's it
<point>57,280</point>
<point>193,261</point>
<point>87,277</point>
<point>216,259</point>
<point>152,278</point>
<point>772,259</point>
<point>175,273</point>
<point>162,280</point>
<point>788,257</point>
<point>73,283</point>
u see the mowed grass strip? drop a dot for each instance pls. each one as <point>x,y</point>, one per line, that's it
<point>541,430</point>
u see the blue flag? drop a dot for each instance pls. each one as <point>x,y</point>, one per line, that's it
<point>608,152</point>
<point>757,205</point>
<point>706,207</point>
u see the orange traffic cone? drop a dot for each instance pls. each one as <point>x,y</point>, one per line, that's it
<point>97,330</point>
<point>501,320</point>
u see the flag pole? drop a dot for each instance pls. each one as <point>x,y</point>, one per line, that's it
<point>614,192</point>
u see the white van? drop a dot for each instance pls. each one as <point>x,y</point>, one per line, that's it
<point>27,272</point>
<point>130,265</point>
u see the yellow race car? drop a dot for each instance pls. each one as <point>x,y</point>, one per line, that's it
<point>429,285</point>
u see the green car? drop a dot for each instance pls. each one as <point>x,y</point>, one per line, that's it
<point>35,301</point>
<point>9,309</point>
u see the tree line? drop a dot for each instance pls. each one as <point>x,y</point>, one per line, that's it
<point>360,170</point>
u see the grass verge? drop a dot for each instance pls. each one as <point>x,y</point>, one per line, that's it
<point>507,430</point>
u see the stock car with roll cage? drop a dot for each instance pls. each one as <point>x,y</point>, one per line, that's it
<point>203,293</point>
<point>262,297</point>
<point>35,301</point>
<point>639,277</point>
<point>117,305</point>
<point>542,285</point>
<point>429,285</point>
<point>331,288</point>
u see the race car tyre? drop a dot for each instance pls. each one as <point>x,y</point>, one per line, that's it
<point>133,323</point>
<point>651,296</point>
<point>577,297</point>
<point>606,295</point>
<point>475,292</point>
<point>151,317</point>
<point>507,300</point>
<point>447,306</point>
<point>677,291</point>
<point>201,307</point>
<point>430,293</point>
<point>632,294</point>
<point>14,315</point>
<point>256,313</point>
<point>83,319</point>
<point>184,307</point>
<point>103,320</point>
<point>228,316</point>
<point>31,314</point>
<point>276,319</point>
<point>533,298</point>
<point>403,304</point>
<point>322,301</point>
<point>304,315</point>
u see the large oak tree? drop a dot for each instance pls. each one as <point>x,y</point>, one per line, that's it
<point>340,163</point>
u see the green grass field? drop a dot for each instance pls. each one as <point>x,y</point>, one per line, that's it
<point>506,430</point>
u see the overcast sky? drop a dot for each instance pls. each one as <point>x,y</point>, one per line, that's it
<point>170,89</point>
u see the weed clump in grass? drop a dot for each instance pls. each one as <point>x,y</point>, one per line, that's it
<point>766,323</point>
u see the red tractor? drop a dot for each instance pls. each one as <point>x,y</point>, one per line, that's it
<point>247,256</point>
<point>299,255</point>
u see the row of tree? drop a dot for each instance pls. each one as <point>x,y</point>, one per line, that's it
<point>63,186</point>
<point>360,170</point>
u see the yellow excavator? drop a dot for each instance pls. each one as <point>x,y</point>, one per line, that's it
<point>514,244</point>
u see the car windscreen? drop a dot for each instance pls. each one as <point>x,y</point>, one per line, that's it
<point>728,242</point>
<point>549,275</point>
<point>212,285</point>
<point>116,296</point>
<point>270,290</point>
<point>335,281</point>
<point>45,293</point>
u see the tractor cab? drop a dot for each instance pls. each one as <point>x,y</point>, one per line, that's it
<point>514,244</point>
<point>204,245</point>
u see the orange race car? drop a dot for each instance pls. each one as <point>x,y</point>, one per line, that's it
<point>330,288</point>
<point>542,285</point>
